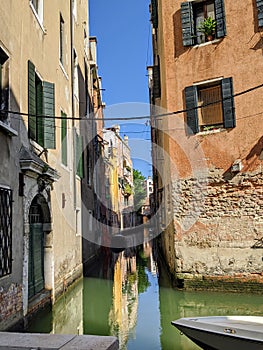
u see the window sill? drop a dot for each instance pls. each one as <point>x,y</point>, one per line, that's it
<point>65,167</point>
<point>40,22</point>
<point>7,129</point>
<point>208,132</point>
<point>63,70</point>
<point>215,41</point>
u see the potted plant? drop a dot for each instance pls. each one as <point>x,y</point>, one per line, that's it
<point>127,190</point>
<point>208,27</point>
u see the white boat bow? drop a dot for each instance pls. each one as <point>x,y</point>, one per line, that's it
<point>223,332</point>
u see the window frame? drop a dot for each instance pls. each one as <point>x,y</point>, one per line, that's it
<point>227,103</point>
<point>204,113</point>
<point>188,21</point>
<point>61,40</point>
<point>37,7</point>
<point>6,213</point>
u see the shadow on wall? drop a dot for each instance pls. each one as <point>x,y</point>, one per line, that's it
<point>256,150</point>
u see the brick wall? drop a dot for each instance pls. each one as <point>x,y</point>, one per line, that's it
<point>10,305</point>
<point>219,229</point>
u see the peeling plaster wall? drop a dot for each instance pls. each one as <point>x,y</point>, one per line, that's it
<point>224,227</point>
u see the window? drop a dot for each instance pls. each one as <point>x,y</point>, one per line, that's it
<point>89,167</point>
<point>202,10</point>
<point>156,80</point>
<point>154,13</point>
<point>38,9</point>
<point>74,9</point>
<point>5,231</point>
<point>4,86</point>
<point>64,139</point>
<point>216,105</point>
<point>41,103</point>
<point>62,41</point>
<point>76,76</point>
<point>194,12</point>
<point>259,4</point>
<point>79,155</point>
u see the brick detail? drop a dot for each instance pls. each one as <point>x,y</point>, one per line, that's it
<point>10,302</point>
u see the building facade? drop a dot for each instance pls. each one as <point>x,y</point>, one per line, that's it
<point>120,178</point>
<point>46,93</point>
<point>207,134</point>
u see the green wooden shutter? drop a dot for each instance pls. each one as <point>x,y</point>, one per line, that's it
<point>228,103</point>
<point>260,12</point>
<point>39,112</point>
<point>79,156</point>
<point>187,23</point>
<point>49,110</point>
<point>220,18</point>
<point>64,144</point>
<point>191,102</point>
<point>32,125</point>
<point>154,16</point>
<point>156,82</point>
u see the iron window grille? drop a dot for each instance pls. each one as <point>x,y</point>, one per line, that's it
<point>5,231</point>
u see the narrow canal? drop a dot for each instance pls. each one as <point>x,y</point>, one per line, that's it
<point>129,296</point>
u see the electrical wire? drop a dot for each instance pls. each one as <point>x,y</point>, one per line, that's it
<point>136,117</point>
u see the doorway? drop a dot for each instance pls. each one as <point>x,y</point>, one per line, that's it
<point>36,281</point>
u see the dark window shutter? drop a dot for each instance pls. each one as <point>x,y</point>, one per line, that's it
<point>191,103</point>
<point>220,18</point>
<point>39,112</point>
<point>156,82</point>
<point>79,156</point>
<point>49,110</point>
<point>260,12</point>
<point>154,14</point>
<point>32,125</point>
<point>228,103</point>
<point>64,153</point>
<point>187,23</point>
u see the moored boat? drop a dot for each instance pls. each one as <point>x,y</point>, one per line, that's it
<point>223,332</point>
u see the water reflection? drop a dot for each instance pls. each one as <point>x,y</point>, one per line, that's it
<point>136,303</point>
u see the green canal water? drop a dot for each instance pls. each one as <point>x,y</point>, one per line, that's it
<point>131,298</point>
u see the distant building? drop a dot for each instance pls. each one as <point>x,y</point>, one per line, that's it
<point>120,177</point>
<point>208,139</point>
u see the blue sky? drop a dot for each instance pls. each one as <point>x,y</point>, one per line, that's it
<point>123,34</point>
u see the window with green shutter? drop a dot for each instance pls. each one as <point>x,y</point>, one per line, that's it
<point>41,109</point>
<point>193,13</point>
<point>210,106</point>
<point>64,139</point>
<point>79,155</point>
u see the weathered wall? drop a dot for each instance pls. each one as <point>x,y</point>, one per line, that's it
<point>223,233</point>
<point>217,220</point>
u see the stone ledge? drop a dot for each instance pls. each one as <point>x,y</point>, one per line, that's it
<point>35,341</point>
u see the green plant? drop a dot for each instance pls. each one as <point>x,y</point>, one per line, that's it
<point>127,189</point>
<point>208,26</point>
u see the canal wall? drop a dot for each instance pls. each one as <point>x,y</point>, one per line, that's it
<point>27,341</point>
<point>218,237</point>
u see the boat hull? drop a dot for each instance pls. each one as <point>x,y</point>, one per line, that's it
<point>223,333</point>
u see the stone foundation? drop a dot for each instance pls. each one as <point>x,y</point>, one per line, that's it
<point>219,231</point>
<point>246,283</point>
